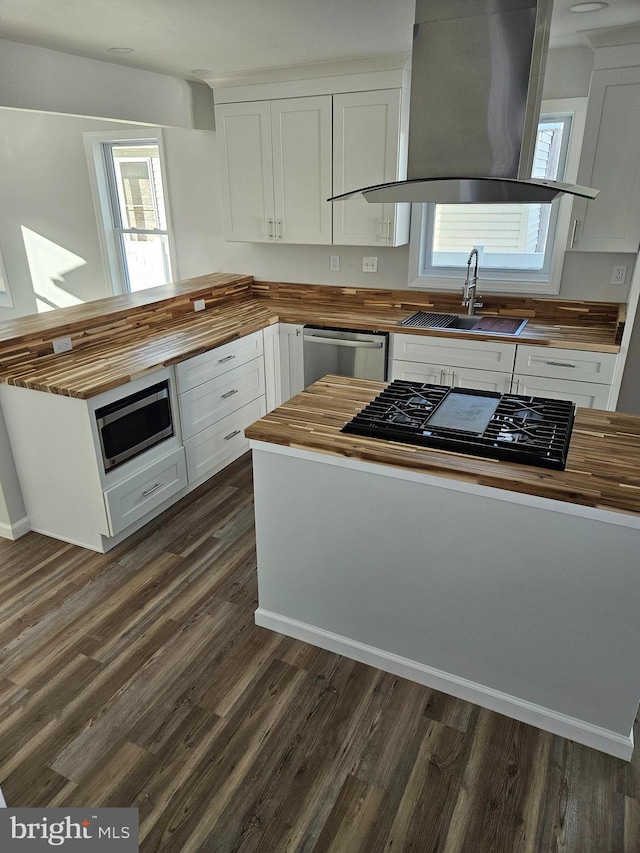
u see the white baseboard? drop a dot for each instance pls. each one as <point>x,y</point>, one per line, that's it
<point>581,731</point>
<point>15,530</point>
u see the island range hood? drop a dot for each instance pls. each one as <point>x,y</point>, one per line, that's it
<point>476,87</point>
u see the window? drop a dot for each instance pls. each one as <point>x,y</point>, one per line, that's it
<point>520,245</point>
<point>131,201</point>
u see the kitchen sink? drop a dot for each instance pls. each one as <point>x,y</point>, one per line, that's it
<point>482,324</point>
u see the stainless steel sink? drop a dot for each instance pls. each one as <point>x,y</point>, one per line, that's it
<point>478,323</point>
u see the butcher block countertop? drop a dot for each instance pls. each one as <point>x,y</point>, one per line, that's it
<point>118,339</point>
<point>603,464</point>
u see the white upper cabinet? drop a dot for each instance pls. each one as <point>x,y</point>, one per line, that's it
<point>244,132</point>
<point>610,162</point>
<point>301,141</point>
<point>369,147</point>
<point>283,154</point>
<point>276,170</point>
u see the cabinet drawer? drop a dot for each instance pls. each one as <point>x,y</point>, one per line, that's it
<point>209,403</point>
<point>589,395</point>
<point>134,497</point>
<point>558,363</point>
<point>483,355</point>
<point>215,362</point>
<point>214,447</point>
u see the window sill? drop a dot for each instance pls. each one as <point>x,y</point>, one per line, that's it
<point>531,287</point>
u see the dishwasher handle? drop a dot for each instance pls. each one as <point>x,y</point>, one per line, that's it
<point>342,342</point>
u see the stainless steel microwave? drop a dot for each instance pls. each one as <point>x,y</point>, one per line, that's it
<point>134,424</point>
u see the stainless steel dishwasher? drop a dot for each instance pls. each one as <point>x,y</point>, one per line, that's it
<point>346,352</point>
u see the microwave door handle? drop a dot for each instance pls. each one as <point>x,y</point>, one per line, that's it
<point>341,342</point>
<point>132,407</point>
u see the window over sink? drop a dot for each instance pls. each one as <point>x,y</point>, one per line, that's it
<point>520,246</point>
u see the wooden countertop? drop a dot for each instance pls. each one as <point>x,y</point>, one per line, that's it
<point>122,338</point>
<point>96,369</point>
<point>551,334</point>
<point>603,465</point>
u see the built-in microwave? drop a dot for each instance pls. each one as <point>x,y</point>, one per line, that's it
<point>133,424</point>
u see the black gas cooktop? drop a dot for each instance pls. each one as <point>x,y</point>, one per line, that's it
<point>516,428</point>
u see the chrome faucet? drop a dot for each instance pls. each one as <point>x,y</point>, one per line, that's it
<point>469,290</point>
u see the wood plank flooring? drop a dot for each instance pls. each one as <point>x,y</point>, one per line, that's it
<point>138,678</point>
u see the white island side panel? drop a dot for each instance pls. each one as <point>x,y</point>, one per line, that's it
<point>522,602</point>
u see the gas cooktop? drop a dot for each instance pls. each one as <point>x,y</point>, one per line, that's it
<point>516,428</point>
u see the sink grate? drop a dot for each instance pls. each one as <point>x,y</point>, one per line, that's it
<point>428,320</point>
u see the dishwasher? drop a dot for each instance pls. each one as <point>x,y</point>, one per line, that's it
<point>345,352</point>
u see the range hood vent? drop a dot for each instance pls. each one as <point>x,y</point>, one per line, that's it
<point>476,87</point>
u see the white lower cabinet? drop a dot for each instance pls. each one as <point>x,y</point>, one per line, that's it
<point>563,374</point>
<point>215,447</point>
<point>483,365</point>
<point>272,368</point>
<point>579,375</point>
<point>215,362</point>
<point>134,497</point>
<point>291,360</point>
<point>437,374</point>
<point>222,391</point>
<point>590,395</point>
<point>206,404</point>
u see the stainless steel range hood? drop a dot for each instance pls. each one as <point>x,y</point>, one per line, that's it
<point>476,85</point>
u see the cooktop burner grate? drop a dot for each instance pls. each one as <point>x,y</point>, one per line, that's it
<point>528,430</point>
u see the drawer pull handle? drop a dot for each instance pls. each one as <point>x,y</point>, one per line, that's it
<point>560,364</point>
<point>226,358</point>
<point>232,434</point>
<point>229,394</point>
<point>152,490</point>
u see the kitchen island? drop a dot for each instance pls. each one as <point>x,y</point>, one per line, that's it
<point>506,585</point>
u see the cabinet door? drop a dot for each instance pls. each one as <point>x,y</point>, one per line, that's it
<point>610,162</point>
<point>369,147</point>
<point>451,352</point>
<point>457,377</point>
<point>413,371</point>
<point>590,395</point>
<point>246,171</point>
<point>291,360</point>
<point>301,140</point>
<point>481,380</point>
<point>272,368</point>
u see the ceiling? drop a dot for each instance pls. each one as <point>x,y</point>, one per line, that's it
<point>229,36</point>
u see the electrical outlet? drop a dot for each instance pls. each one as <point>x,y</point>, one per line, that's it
<point>369,264</point>
<point>199,305</point>
<point>62,345</point>
<point>334,263</point>
<point>619,275</point>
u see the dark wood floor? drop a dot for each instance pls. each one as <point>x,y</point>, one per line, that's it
<point>138,678</point>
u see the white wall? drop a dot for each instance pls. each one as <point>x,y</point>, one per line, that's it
<point>11,504</point>
<point>35,78</point>
<point>48,228</point>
